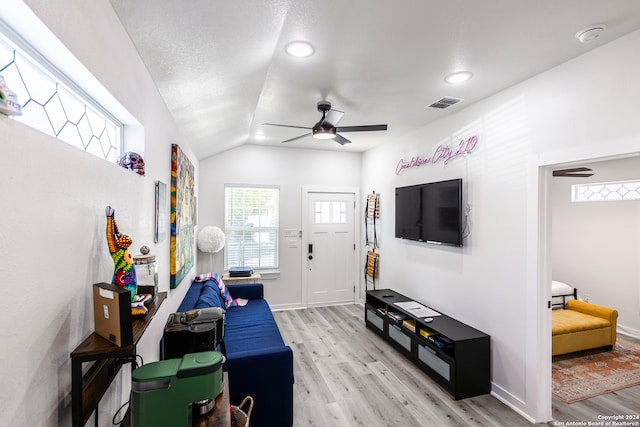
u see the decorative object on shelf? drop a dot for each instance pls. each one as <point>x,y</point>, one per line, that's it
<point>132,161</point>
<point>146,271</point>
<point>8,100</point>
<point>183,211</point>
<point>371,269</point>
<point>124,274</point>
<point>161,212</point>
<point>371,213</point>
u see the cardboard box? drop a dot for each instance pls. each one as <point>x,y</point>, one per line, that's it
<point>112,313</point>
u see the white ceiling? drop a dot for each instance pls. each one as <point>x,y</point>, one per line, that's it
<point>223,72</point>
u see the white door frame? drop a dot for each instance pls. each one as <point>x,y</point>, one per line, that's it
<point>357,222</point>
<point>538,292</point>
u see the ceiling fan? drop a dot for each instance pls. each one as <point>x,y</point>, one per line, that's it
<point>326,128</point>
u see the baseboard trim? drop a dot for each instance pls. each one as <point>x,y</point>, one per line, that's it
<point>630,332</point>
<point>513,402</point>
<point>284,307</point>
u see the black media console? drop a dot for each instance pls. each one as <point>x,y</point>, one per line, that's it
<point>455,355</point>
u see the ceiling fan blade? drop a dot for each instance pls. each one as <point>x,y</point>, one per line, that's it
<point>333,117</point>
<point>286,126</point>
<point>573,172</point>
<point>297,137</point>
<point>577,175</point>
<point>341,140</point>
<point>365,128</point>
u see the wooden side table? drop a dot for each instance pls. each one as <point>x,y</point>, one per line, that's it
<point>253,278</point>
<point>87,389</point>
<point>221,414</point>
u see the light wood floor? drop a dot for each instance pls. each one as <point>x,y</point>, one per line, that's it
<point>345,375</point>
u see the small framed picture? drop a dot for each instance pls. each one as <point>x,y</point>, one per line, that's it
<point>161,212</point>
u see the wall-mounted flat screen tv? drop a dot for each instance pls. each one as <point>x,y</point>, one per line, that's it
<point>430,212</point>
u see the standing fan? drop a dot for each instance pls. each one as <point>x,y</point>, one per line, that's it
<point>326,127</point>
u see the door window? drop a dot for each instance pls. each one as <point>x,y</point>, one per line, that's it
<point>330,212</point>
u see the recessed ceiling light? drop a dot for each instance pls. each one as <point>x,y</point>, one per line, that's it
<point>458,77</point>
<point>299,49</point>
<point>260,136</point>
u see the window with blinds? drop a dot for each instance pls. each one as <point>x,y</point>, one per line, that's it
<point>251,226</point>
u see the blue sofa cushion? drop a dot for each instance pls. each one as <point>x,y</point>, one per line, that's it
<point>210,296</point>
<point>251,327</point>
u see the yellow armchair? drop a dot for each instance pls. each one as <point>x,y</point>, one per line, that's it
<point>582,326</point>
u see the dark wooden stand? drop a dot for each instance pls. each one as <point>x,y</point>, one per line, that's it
<point>462,367</point>
<point>88,389</point>
<point>221,414</point>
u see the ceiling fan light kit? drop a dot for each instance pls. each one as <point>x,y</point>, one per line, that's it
<point>326,126</point>
<point>321,133</point>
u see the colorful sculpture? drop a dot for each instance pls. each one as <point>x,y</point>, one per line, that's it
<point>124,274</point>
<point>132,161</point>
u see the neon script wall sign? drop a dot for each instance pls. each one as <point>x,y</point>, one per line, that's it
<point>443,153</point>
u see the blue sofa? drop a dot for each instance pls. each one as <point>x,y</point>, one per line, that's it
<point>259,364</point>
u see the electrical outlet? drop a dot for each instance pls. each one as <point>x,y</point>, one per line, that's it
<point>587,298</point>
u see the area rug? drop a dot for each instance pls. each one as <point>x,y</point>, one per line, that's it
<point>590,373</point>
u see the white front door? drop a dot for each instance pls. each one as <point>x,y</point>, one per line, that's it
<point>330,248</point>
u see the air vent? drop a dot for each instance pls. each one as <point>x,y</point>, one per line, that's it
<point>445,102</point>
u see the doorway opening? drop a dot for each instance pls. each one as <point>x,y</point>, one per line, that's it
<point>546,271</point>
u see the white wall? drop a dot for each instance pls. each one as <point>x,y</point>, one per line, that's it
<point>289,168</point>
<point>595,245</point>
<point>53,198</point>
<point>581,109</point>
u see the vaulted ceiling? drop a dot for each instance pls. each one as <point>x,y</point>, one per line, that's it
<point>223,72</point>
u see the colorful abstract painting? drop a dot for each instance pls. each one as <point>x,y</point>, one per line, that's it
<point>183,210</point>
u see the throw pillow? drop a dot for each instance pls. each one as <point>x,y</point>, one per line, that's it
<point>210,296</point>
<point>206,276</point>
<point>226,296</point>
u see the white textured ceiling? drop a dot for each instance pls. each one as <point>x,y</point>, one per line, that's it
<point>223,72</point>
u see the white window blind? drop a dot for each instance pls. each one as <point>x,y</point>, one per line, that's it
<point>251,227</point>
